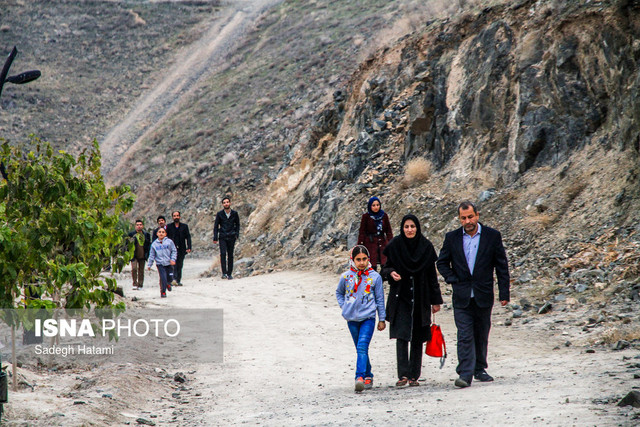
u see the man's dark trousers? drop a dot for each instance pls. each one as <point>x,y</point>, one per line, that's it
<point>226,254</point>
<point>177,269</point>
<point>473,325</point>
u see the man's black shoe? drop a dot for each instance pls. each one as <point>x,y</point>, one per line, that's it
<point>462,383</point>
<point>230,277</point>
<point>483,377</point>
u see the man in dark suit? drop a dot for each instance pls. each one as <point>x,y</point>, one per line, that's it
<point>179,233</point>
<point>467,261</point>
<point>226,230</point>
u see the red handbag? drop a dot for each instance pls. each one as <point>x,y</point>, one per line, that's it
<point>436,346</point>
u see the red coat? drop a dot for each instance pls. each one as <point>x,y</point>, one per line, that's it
<point>375,243</point>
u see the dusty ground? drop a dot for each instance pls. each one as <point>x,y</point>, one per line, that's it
<point>288,360</point>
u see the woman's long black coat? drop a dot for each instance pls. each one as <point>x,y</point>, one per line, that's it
<point>410,300</point>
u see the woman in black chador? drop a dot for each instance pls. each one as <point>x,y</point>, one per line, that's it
<point>414,293</point>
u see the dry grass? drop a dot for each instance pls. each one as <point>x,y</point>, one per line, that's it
<point>540,221</point>
<point>416,172</point>
<point>616,333</point>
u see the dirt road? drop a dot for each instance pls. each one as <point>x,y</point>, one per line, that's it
<point>289,360</point>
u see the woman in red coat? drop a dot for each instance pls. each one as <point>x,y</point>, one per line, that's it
<point>375,232</point>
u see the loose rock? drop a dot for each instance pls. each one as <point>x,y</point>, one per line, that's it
<point>545,308</point>
<point>631,399</point>
<point>180,377</point>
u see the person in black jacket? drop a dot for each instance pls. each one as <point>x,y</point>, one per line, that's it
<point>142,242</point>
<point>414,294</point>
<point>226,230</point>
<point>162,223</point>
<point>469,257</point>
<point>179,233</point>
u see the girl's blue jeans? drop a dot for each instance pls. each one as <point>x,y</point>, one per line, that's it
<point>361,332</point>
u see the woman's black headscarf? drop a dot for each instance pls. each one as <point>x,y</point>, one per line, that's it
<point>410,255</point>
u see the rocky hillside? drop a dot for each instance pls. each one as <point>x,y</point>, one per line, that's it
<point>237,132</point>
<point>530,109</point>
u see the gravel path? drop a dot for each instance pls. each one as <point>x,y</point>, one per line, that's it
<point>289,360</point>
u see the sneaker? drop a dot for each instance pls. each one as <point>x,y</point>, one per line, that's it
<point>368,383</point>
<point>174,283</point>
<point>135,288</point>
<point>163,295</point>
<point>230,277</point>
<point>462,383</point>
<point>179,284</point>
<point>359,384</point>
<point>482,376</point>
<point>169,287</point>
<point>224,276</point>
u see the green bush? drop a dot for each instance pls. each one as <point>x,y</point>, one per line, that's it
<point>59,229</point>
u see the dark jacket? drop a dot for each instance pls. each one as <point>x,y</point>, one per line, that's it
<point>491,256</point>
<point>410,300</point>
<point>226,228</point>
<point>180,236</point>
<point>147,244</point>
<point>374,242</point>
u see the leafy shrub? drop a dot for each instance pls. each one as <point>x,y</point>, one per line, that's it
<point>59,229</point>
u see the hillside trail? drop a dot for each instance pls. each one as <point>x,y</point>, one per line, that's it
<point>192,65</point>
<point>289,360</point>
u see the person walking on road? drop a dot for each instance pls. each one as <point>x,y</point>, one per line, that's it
<point>142,242</point>
<point>162,223</point>
<point>414,293</point>
<point>375,232</point>
<point>163,253</point>
<point>360,295</point>
<point>467,261</point>
<point>178,232</point>
<point>226,230</point>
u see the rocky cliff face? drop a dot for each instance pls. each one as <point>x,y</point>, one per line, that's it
<point>530,109</point>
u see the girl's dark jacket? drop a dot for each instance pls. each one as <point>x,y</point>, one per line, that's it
<point>374,242</point>
<point>410,299</point>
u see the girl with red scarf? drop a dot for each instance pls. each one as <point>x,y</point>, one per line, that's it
<point>360,294</point>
